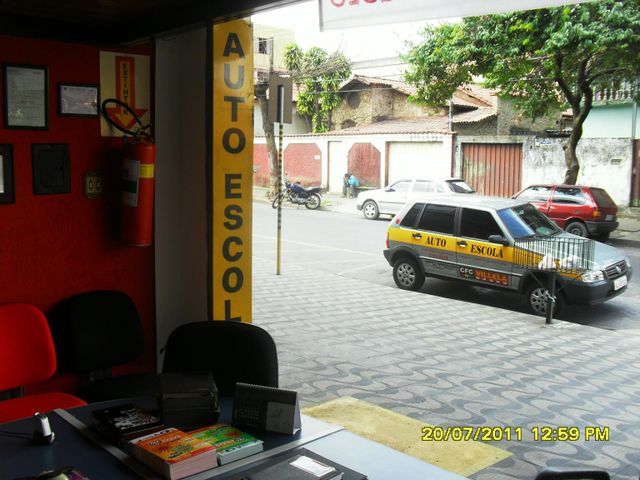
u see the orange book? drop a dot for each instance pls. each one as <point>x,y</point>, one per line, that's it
<point>173,453</point>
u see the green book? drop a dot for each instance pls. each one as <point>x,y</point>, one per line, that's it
<point>231,444</point>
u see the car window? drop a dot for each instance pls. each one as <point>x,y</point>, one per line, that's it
<point>438,218</point>
<point>400,187</point>
<point>569,195</point>
<point>460,186</point>
<point>526,220</point>
<point>536,193</point>
<point>409,219</point>
<point>602,198</point>
<point>478,224</point>
<point>423,187</point>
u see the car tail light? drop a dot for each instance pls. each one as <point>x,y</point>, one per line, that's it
<point>387,240</point>
<point>596,214</point>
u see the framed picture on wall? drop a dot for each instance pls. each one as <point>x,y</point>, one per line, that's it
<point>78,100</point>
<point>26,98</point>
<point>6,174</point>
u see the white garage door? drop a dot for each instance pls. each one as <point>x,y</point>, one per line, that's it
<point>418,160</point>
<point>337,166</point>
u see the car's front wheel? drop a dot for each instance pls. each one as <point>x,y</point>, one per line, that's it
<point>370,210</point>
<point>407,274</point>
<point>536,296</point>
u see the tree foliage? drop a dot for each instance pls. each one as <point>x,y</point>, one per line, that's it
<point>545,59</point>
<point>318,75</point>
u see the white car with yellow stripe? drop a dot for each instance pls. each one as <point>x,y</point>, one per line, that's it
<point>472,238</point>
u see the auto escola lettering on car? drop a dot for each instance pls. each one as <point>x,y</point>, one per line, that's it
<point>487,251</point>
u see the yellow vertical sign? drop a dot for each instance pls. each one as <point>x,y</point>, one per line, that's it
<point>232,170</point>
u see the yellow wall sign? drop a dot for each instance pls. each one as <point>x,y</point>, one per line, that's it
<point>232,170</point>
<point>124,77</point>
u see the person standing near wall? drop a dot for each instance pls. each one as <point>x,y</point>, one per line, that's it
<point>354,183</point>
<point>345,184</point>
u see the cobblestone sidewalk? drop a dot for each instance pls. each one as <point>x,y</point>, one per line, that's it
<point>451,363</point>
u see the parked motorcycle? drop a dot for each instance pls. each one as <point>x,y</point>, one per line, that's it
<point>299,195</point>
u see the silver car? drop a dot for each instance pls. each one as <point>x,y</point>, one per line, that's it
<point>389,201</point>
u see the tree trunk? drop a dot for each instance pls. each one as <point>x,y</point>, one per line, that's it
<point>570,157</point>
<point>267,126</point>
<point>581,104</point>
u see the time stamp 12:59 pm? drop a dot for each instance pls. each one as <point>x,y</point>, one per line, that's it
<point>518,434</point>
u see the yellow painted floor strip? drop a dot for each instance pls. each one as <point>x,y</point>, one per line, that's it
<point>405,435</point>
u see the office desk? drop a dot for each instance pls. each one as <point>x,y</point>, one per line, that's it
<point>22,457</point>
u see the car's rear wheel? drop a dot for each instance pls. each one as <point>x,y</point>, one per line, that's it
<point>577,228</point>
<point>407,274</point>
<point>370,210</point>
<point>536,296</point>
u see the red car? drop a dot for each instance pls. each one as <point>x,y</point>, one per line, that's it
<point>583,211</point>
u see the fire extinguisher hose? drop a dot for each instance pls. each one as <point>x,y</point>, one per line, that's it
<point>141,131</point>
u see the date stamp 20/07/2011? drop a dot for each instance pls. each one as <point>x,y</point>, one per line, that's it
<point>546,433</point>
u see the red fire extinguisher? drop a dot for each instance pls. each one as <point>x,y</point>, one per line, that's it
<point>138,172</point>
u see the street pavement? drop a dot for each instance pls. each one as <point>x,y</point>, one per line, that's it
<point>628,231</point>
<point>450,363</point>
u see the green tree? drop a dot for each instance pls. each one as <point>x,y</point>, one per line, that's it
<point>545,59</point>
<point>318,75</point>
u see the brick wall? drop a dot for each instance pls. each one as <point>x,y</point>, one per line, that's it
<point>402,107</point>
<point>303,163</point>
<point>509,118</point>
<point>260,165</point>
<point>364,163</point>
<point>485,127</point>
<point>357,116</point>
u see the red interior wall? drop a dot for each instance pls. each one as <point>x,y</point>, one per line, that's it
<point>53,246</point>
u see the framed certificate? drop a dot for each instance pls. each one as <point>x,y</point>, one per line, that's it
<point>25,93</point>
<point>6,174</point>
<point>81,100</point>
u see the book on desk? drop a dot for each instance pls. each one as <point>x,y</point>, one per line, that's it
<point>230,443</point>
<point>123,422</point>
<point>173,453</point>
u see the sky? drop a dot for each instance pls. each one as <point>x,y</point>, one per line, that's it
<point>357,44</point>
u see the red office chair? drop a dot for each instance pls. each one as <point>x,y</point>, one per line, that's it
<point>27,355</point>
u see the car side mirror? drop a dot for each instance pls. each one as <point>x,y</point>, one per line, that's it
<point>498,239</point>
<point>389,189</point>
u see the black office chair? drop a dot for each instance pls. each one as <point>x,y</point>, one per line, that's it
<point>232,351</point>
<point>566,474</point>
<point>96,331</point>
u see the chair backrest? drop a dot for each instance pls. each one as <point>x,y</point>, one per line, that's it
<point>27,353</point>
<point>232,351</point>
<point>97,330</point>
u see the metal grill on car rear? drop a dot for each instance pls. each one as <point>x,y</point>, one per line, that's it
<point>616,270</point>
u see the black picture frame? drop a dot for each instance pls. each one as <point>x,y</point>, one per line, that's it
<point>26,96</point>
<point>7,192</point>
<point>51,168</point>
<point>78,99</point>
